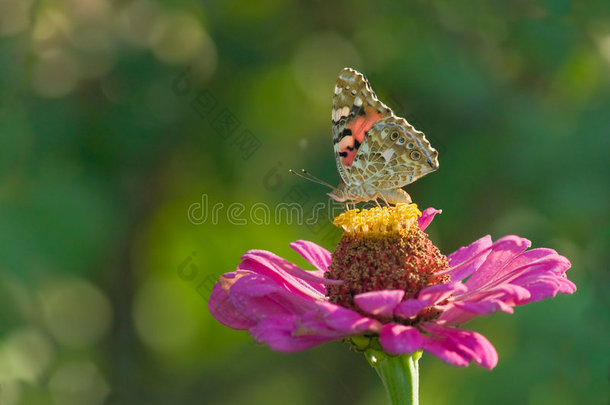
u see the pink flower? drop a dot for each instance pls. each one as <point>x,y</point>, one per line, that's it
<point>288,309</point>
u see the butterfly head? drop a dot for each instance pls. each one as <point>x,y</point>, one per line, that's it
<point>340,194</point>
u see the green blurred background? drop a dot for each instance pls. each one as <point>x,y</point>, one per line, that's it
<point>116,117</point>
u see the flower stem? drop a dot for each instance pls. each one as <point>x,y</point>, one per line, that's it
<point>400,375</point>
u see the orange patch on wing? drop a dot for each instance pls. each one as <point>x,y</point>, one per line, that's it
<point>358,126</point>
<point>346,146</point>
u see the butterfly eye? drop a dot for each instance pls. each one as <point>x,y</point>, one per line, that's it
<point>401,140</point>
<point>415,155</point>
<point>410,146</point>
<point>394,136</point>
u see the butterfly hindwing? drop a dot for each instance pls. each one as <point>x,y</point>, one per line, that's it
<point>393,155</point>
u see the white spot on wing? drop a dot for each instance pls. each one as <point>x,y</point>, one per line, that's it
<point>357,101</point>
<point>344,112</point>
<point>387,154</point>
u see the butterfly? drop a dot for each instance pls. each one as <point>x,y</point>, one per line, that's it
<point>377,153</point>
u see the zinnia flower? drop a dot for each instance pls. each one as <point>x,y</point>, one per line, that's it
<point>387,281</point>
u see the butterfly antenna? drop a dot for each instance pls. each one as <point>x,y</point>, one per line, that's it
<point>310,177</point>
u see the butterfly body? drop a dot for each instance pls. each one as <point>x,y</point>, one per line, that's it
<point>376,152</point>
<point>358,193</point>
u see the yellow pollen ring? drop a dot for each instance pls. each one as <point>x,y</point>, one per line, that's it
<point>379,220</point>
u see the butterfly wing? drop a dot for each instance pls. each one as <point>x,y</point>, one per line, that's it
<point>392,155</point>
<point>355,109</point>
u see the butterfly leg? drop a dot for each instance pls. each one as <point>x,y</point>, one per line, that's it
<point>347,205</point>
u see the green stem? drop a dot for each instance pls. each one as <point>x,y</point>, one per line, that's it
<point>400,375</point>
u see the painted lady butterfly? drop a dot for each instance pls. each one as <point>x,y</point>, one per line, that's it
<point>377,152</point>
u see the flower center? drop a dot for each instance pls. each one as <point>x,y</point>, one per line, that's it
<point>383,249</point>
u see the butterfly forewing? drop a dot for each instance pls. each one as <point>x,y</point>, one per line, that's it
<point>355,109</point>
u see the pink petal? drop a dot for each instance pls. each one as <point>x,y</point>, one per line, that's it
<point>439,292</point>
<point>325,322</point>
<point>346,320</point>
<point>508,293</point>
<point>502,252</point>
<point>543,286</point>
<point>277,315</point>
<point>284,272</point>
<point>540,271</point>
<point>256,297</point>
<point>427,297</point>
<point>410,308</point>
<point>459,347</point>
<point>516,280</point>
<point>225,312</point>
<point>466,260</point>
<point>486,307</point>
<point>314,254</point>
<point>535,261</point>
<point>458,313</point>
<point>400,339</point>
<point>426,217</point>
<point>565,286</point>
<point>379,302</point>
<point>540,255</point>
<point>281,334</point>
<point>466,307</point>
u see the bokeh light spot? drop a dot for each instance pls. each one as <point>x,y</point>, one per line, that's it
<point>319,59</point>
<point>78,382</point>
<point>177,38</point>
<point>28,352</point>
<point>55,73</point>
<point>76,312</point>
<point>50,25</point>
<point>603,44</point>
<point>163,316</point>
<point>136,21</point>
<point>14,16</point>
